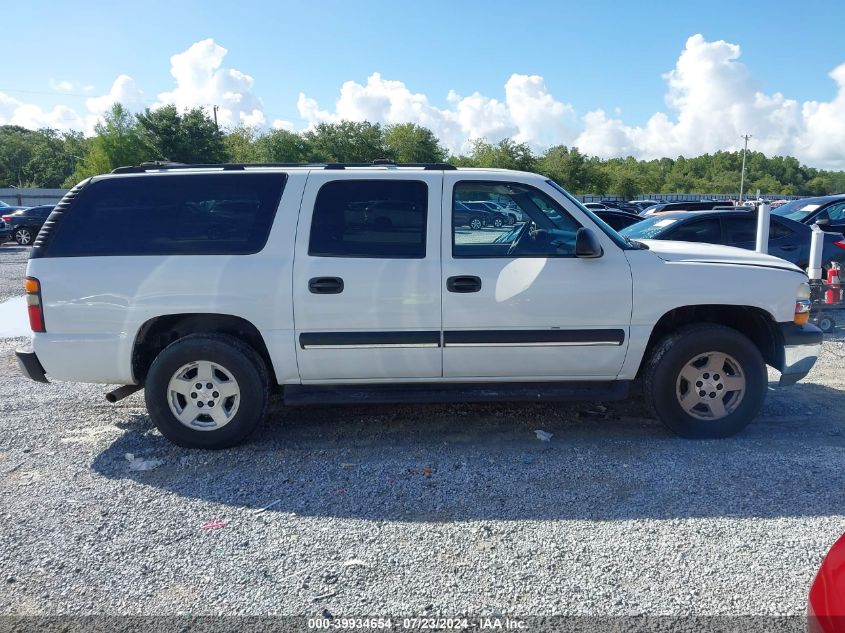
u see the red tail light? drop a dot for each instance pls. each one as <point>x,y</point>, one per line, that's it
<point>6,218</point>
<point>840,243</point>
<point>33,304</point>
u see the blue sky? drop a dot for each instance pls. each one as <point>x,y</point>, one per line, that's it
<point>608,56</point>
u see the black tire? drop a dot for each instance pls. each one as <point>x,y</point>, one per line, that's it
<point>24,236</point>
<point>662,380</point>
<point>498,223</point>
<point>241,360</point>
<point>476,223</point>
<point>827,324</point>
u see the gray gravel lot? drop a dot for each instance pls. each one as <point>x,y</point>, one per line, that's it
<point>415,510</point>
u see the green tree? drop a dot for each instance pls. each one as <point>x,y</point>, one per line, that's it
<point>346,142</point>
<point>506,154</point>
<point>116,143</point>
<point>412,143</point>
<point>281,146</point>
<point>567,167</point>
<point>240,145</point>
<point>189,137</point>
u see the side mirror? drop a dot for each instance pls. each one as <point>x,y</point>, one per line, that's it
<point>587,244</point>
<point>823,222</point>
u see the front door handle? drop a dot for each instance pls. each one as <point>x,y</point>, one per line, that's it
<point>325,285</point>
<point>788,247</point>
<point>463,284</point>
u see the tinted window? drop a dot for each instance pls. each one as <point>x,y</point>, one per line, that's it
<point>370,218</point>
<point>40,212</point>
<point>835,212</point>
<point>546,229</point>
<point>739,230</point>
<point>170,215</point>
<point>698,231</point>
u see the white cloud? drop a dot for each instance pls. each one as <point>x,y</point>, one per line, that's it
<point>65,85</point>
<point>29,115</point>
<point>528,113</point>
<point>711,100</point>
<point>123,90</point>
<point>716,101</point>
<point>202,81</point>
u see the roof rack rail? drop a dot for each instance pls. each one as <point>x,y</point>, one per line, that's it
<point>380,162</point>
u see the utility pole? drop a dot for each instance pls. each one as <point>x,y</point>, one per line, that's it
<point>218,127</point>
<point>742,177</point>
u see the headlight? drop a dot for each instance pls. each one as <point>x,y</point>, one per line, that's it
<point>803,292</point>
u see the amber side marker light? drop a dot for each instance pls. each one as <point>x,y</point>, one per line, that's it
<point>33,304</point>
<point>802,312</point>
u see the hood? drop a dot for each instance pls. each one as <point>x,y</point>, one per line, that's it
<point>696,252</point>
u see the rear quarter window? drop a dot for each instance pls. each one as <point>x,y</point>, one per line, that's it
<point>185,214</point>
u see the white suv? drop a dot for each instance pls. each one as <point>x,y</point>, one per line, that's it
<point>213,286</point>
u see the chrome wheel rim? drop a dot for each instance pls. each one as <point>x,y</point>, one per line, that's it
<point>475,224</point>
<point>710,386</point>
<point>24,237</point>
<point>203,395</point>
<point>497,223</point>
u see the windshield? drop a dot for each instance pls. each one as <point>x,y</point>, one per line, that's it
<point>620,241</point>
<point>798,209</point>
<point>649,228</point>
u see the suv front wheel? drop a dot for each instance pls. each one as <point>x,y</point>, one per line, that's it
<point>705,381</point>
<point>207,391</point>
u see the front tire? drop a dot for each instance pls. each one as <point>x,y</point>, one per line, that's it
<point>207,391</point>
<point>705,381</point>
<point>498,223</point>
<point>476,224</point>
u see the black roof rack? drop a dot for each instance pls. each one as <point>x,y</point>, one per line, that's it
<point>380,162</point>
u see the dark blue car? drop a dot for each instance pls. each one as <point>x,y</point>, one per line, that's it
<point>788,239</point>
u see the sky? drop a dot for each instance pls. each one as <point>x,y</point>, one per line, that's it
<point>645,78</point>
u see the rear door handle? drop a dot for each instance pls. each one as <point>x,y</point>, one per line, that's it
<point>788,247</point>
<point>325,285</point>
<point>463,284</point>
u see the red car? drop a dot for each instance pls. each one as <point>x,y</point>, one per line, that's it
<point>826,608</point>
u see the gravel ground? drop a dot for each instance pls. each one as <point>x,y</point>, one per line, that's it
<point>415,510</point>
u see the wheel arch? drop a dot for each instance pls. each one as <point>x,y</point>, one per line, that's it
<point>159,332</point>
<point>755,323</point>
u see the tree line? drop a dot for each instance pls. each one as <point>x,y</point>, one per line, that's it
<point>49,158</point>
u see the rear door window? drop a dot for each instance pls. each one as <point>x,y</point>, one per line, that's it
<point>370,218</point>
<point>184,214</point>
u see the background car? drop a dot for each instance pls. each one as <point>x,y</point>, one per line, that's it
<point>473,218</point>
<point>826,211</point>
<point>788,240</point>
<point>497,218</point>
<point>826,604</point>
<point>26,223</point>
<point>687,205</point>
<point>9,208</point>
<point>616,219</point>
<point>644,204</point>
<point>621,205</point>
<point>5,231</point>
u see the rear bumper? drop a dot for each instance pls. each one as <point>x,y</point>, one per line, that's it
<point>30,365</point>
<point>801,347</point>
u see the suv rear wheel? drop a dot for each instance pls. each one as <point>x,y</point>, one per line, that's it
<point>476,224</point>
<point>207,391</point>
<point>705,381</point>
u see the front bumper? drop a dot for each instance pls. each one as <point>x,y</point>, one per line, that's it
<point>801,347</point>
<point>30,365</point>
